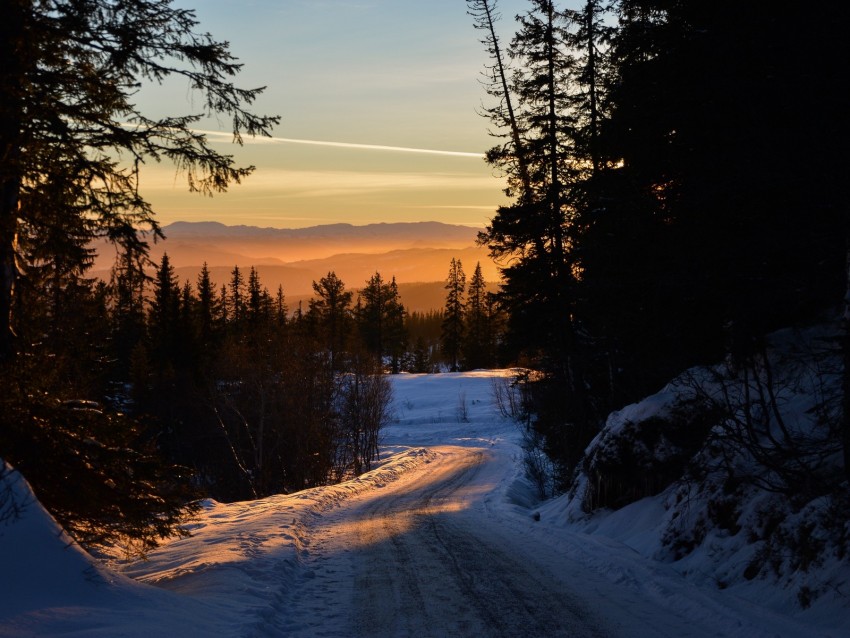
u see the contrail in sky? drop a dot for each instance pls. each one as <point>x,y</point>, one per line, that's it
<point>366,147</point>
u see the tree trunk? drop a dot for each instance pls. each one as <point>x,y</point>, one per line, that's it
<point>522,165</point>
<point>590,14</point>
<point>8,269</point>
<point>13,64</point>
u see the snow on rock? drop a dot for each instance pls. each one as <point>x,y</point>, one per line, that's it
<point>648,482</point>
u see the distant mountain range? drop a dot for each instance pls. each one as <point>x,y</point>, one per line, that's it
<point>418,252</point>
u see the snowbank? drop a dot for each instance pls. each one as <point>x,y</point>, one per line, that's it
<point>719,528</point>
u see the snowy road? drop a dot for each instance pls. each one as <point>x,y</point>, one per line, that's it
<point>412,562</point>
<point>438,540</point>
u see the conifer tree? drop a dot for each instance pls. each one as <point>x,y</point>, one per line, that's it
<point>164,314</point>
<point>538,231</point>
<point>380,318</point>
<point>397,337</point>
<point>556,109</point>
<point>254,304</point>
<point>128,315</point>
<point>72,141</point>
<point>187,327</point>
<point>236,300</point>
<point>331,314</point>
<point>371,315</point>
<point>280,308</point>
<point>476,347</point>
<point>206,307</point>
<point>224,314</point>
<point>452,328</point>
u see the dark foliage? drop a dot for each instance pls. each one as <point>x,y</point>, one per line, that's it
<point>380,320</point>
<point>255,402</point>
<point>71,143</point>
<point>453,336</point>
<point>676,174</point>
<point>99,472</point>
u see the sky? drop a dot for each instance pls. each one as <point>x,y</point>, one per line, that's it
<point>355,75</point>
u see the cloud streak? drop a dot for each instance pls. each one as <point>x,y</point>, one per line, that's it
<point>287,183</point>
<point>348,145</point>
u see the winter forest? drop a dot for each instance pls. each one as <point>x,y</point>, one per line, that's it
<point>676,219</point>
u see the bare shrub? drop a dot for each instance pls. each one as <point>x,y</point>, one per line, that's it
<point>364,398</point>
<point>512,396</point>
<point>462,409</point>
<point>780,420</point>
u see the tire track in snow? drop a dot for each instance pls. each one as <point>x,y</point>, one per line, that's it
<point>409,563</point>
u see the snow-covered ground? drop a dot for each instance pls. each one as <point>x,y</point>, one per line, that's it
<point>441,539</point>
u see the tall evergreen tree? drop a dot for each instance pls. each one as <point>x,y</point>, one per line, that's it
<point>164,315</point>
<point>396,333</point>
<point>380,319</point>
<point>280,309</point>
<point>224,312</point>
<point>187,326</point>
<point>371,315</point>
<point>72,140</point>
<point>128,316</point>
<point>476,346</point>
<point>538,231</point>
<point>236,300</point>
<point>254,306</point>
<point>206,307</point>
<point>453,333</point>
<point>332,314</point>
<point>556,97</point>
<point>701,247</point>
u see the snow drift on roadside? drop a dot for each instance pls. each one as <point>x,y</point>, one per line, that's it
<point>721,534</point>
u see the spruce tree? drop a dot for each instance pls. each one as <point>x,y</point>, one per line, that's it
<point>72,141</point>
<point>396,333</point>
<point>452,327</point>
<point>380,319</point>
<point>476,347</point>
<point>206,307</point>
<point>536,234</point>
<point>127,285</point>
<point>331,315</point>
<point>187,327</point>
<point>280,309</point>
<point>371,315</point>
<point>556,109</point>
<point>236,300</point>
<point>164,315</point>
<point>254,306</point>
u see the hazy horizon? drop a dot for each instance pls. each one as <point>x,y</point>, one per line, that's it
<point>413,252</point>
